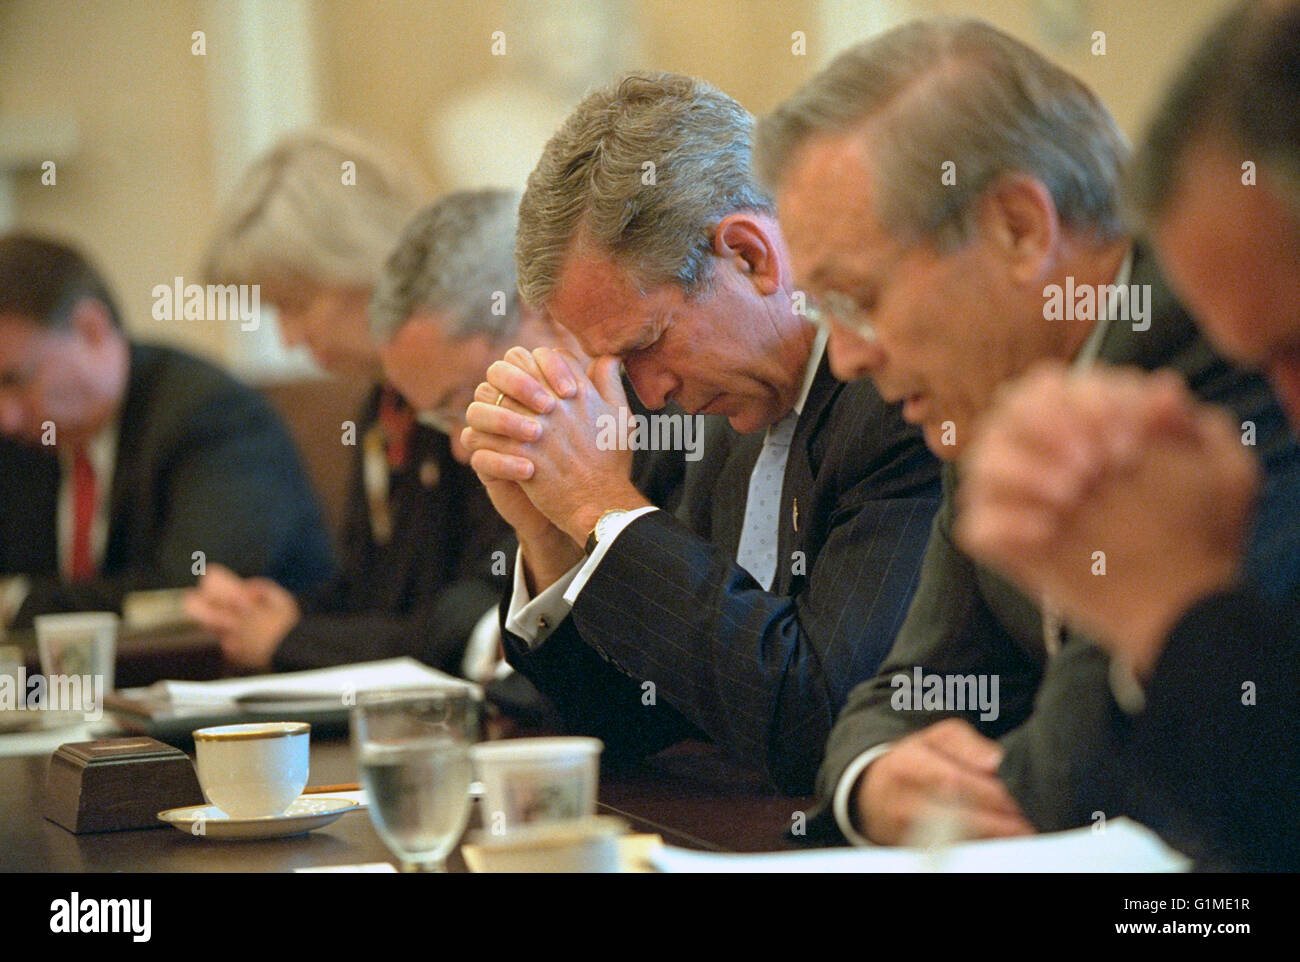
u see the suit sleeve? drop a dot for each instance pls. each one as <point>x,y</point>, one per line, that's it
<point>948,630</point>
<point>434,632</point>
<point>1215,755</point>
<point>760,674</point>
<point>225,482</point>
<point>1054,764</point>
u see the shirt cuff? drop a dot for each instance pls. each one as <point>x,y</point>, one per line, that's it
<point>844,792</point>
<point>482,651</point>
<point>13,592</point>
<point>615,527</point>
<point>533,619</point>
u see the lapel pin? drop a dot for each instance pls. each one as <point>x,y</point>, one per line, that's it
<point>795,515</point>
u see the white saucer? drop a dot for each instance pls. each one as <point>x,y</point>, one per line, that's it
<point>307,813</point>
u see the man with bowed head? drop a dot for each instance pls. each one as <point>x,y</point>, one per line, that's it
<point>418,531</point>
<point>941,289</point>
<point>124,466</point>
<point>783,577</point>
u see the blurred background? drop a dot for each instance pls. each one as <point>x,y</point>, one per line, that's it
<point>145,111</point>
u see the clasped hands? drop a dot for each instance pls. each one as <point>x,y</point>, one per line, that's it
<point>1113,494</point>
<point>533,431</point>
<point>249,616</point>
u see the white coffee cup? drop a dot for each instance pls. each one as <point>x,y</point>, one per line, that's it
<point>255,770</point>
<point>528,780</point>
<point>82,643</point>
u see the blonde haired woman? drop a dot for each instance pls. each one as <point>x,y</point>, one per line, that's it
<point>312,222</point>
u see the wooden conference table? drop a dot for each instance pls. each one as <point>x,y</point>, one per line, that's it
<point>691,795</point>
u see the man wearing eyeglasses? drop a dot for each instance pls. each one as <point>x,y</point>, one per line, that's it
<point>951,197</point>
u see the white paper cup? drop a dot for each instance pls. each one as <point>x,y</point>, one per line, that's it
<point>84,643</point>
<point>583,845</point>
<point>529,780</point>
<point>255,770</point>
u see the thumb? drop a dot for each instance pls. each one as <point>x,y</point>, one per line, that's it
<point>605,376</point>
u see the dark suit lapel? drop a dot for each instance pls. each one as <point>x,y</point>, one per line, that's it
<point>29,516</point>
<point>1171,330</point>
<point>128,478</point>
<point>800,475</point>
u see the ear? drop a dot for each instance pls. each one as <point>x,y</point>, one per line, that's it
<point>1018,216</point>
<point>91,321</point>
<point>752,244</point>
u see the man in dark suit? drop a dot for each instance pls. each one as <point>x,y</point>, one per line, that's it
<point>126,466</point>
<point>1212,756</point>
<point>782,580</point>
<point>942,288</point>
<point>419,585</point>
<point>445,307</point>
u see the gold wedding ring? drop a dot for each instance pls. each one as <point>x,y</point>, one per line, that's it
<point>501,396</point>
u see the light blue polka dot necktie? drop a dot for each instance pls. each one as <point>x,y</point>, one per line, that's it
<point>756,552</point>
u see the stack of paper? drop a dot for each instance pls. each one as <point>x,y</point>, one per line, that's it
<point>323,684</point>
<point>1122,846</point>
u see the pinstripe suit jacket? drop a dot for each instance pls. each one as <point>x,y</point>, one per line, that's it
<point>671,638</point>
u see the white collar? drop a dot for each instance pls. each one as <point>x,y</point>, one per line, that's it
<point>1087,355</point>
<point>101,449</point>
<point>810,373</point>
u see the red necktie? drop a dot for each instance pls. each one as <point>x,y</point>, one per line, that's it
<point>397,419</point>
<point>82,566</point>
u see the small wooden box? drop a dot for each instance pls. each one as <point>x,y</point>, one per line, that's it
<point>118,783</point>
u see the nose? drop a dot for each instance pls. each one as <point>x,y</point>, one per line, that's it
<point>653,384</point>
<point>851,357</point>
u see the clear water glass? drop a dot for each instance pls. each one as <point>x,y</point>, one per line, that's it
<point>413,755</point>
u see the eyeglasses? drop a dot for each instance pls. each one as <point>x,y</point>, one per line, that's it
<point>846,311</point>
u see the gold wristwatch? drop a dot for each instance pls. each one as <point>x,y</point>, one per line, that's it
<point>602,526</point>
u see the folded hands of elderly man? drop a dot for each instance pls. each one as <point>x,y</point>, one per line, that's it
<point>1113,495</point>
<point>533,431</point>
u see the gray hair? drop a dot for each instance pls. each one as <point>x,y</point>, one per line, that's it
<point>298,210</point>
<point>643,169</point>
<point>1242,84</point>
<point>456,257</point>
<point>959,91</point>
